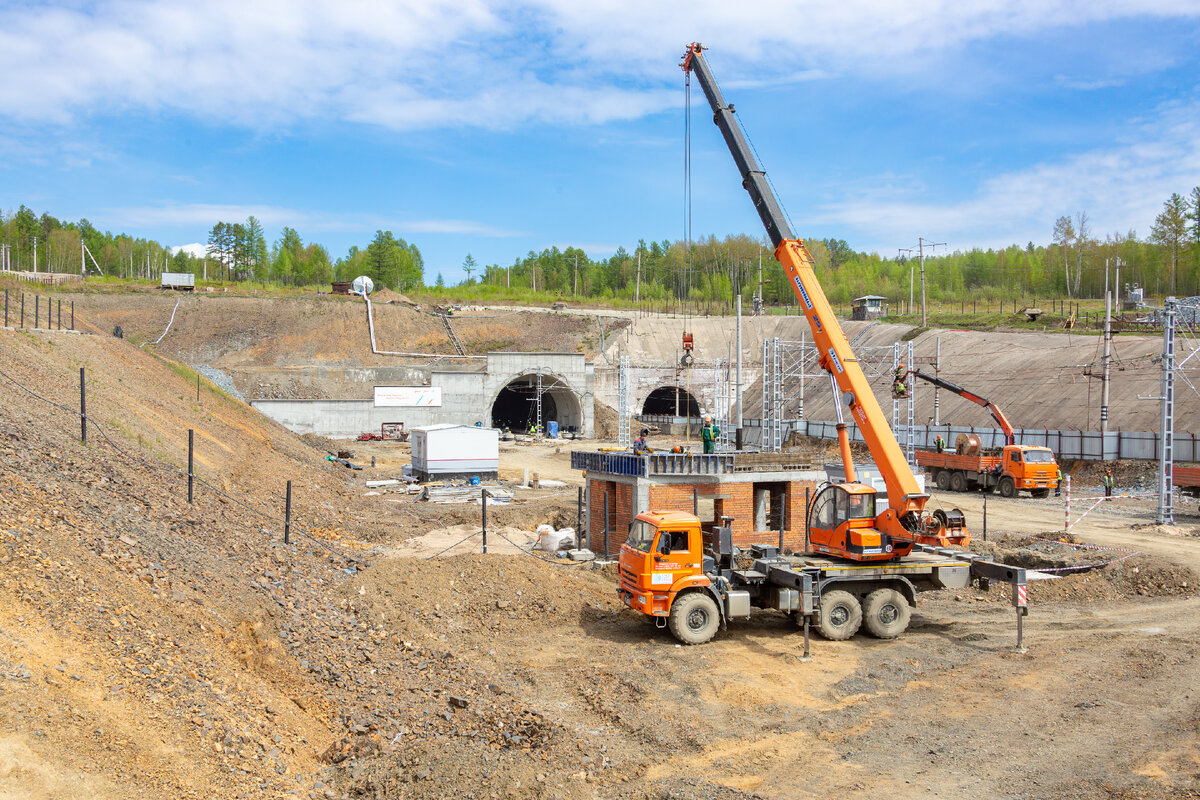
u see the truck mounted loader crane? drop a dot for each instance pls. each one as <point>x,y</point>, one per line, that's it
<point>1016,467</point>
<point>860,571</point>
<point>869,534</point>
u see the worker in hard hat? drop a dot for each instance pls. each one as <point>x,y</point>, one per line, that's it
<point>1058,481</point>
<point>899,387</point>
<point>708,435</point>
<point>1108,482</point>
<point>639,444</point>
<point>939,444</point>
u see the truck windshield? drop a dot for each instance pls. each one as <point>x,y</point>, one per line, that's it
<point>1039,457</point>
<point>641,535</point>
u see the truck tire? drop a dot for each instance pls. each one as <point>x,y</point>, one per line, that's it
<point>840,615</point>
<point>694,618</point>
<point>1007,487</point>
<point>943,479</point>
<point>886,613</point>
<point>958,481</point>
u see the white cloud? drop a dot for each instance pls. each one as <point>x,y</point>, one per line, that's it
<point>411,64</point>
<point>1121,185</point>
<point>195,249</point>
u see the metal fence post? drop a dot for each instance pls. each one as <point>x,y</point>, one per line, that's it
<point>37,312</point>
<point>579,520</point>
<point>72,315</point>
<point>985,494</point>
<point>191,470</point>
<point>287,514</point>
<point>1067,502</point>
<point>6,308</point>
<point>22,310</point>
<point>60,313</point>
<point>483,502</point>
<point>82,408</point>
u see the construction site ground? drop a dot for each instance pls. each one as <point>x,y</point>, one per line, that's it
<point>154,648</point>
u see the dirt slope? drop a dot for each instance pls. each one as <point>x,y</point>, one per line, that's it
<point>149,648</point>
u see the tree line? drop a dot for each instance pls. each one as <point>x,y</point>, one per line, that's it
<point>708,272</point>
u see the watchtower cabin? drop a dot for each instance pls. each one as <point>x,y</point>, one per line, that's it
<point>869,306</point>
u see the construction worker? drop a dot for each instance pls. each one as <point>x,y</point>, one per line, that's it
<point>899,387</point>
<point>639,444</point>
<point>940,444</point>
<point>1058,482</point>
<point>1108,483</point>
<point>708,435</point>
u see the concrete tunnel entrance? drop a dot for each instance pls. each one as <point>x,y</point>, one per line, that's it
<point>515,406</point>
<point>671,401</point>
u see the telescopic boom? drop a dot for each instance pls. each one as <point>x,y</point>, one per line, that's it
<point>904,518</point>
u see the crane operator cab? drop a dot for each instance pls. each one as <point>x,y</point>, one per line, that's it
<point>841,520</point>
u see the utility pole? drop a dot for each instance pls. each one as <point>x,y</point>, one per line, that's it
<point>637,290</point>
<point>921,248</point>
<point>738,393</point>
<point>760,294</point>
<point>577,272</point>
<point>35,254</point>
<point>911,277</point>
<point>1117,287</point>
<point>937,368</point>
<point>1107,360</point>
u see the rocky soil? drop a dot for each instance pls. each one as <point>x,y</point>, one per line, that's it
<point>154,648</point>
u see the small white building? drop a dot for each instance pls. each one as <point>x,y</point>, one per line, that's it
<point>455,451</point>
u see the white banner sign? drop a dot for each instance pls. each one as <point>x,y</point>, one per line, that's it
<point>408,396</point>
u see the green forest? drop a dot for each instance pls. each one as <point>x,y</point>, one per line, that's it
<point>707,274</point>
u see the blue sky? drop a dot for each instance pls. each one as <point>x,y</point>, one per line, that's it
<point>498,128</point>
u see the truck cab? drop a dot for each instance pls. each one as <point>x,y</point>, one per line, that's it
<point>1032,469</point>
<point>663,556</point>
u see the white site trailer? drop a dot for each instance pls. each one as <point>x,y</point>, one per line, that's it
<point>455,451</point>
<point>182,281</point>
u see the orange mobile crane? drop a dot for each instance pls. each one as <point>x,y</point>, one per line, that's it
<point>861,569</point>
<point>871,534</point>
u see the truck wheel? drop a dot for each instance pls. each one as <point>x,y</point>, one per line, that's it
<point>886,613</point>
<point>958,482</point>
<point>1007,487</point>
<point>694,618</point>
<point>943,479</point>
<point>840,616</point>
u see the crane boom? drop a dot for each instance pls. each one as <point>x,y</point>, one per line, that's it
<point>903,519</point>
<point>993,409</point>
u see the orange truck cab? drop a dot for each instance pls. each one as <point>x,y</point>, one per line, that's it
<point>663,556</point>
<point>1030,468</point>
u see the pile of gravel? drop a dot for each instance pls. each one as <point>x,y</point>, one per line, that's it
<point>220,379</point>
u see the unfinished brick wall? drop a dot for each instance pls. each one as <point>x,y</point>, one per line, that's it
<point>736,499</point>
<point>733,498</point>
<point>619,497</point>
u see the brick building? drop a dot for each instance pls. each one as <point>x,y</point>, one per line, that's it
<point>764,493</point>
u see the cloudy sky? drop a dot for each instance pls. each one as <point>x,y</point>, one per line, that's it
<point>496,128</point>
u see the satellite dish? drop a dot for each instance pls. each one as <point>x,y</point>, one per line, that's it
<point>363,285</point>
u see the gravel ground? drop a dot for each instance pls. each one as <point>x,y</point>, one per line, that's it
<point>220,379</point>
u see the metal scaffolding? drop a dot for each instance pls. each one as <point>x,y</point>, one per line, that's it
<point>786,365</point>
<point>1166,464</point>
<point>624,411</point>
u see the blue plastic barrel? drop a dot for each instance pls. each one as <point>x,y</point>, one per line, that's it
<point>552,429</point>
